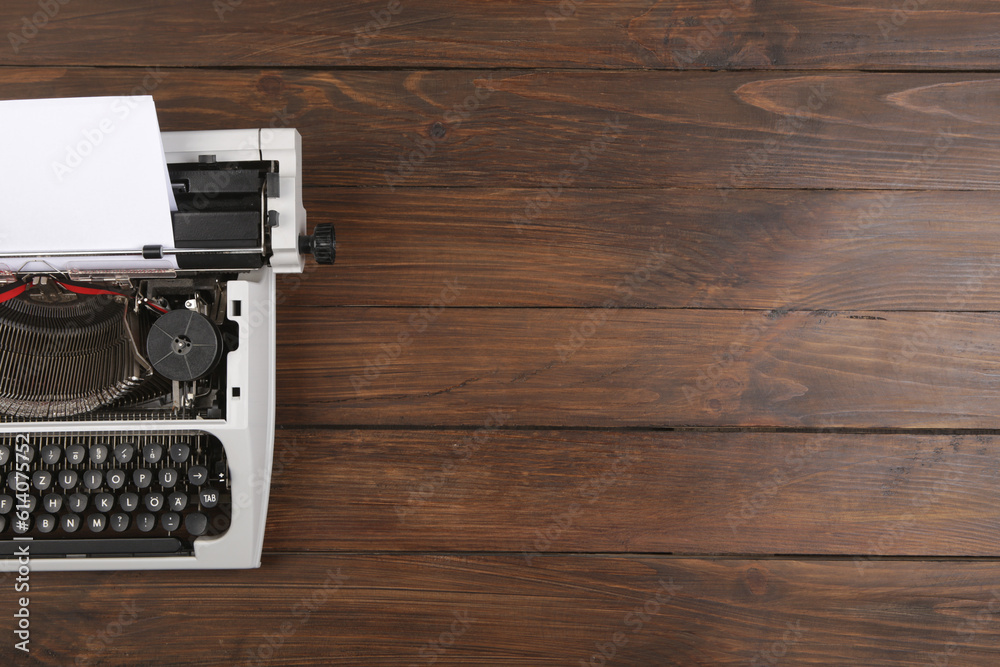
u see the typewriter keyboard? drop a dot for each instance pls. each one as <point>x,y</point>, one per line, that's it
<point>111,494</point>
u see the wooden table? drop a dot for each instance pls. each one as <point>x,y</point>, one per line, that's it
<point>660,334</point>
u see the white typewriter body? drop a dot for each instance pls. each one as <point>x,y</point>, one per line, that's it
<point>246,429</point>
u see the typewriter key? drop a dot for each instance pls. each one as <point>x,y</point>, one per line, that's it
<point>196,523</point>
<point>51,454</point>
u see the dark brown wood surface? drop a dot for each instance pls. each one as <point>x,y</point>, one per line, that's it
<point>351,609</point>
<point>585,129</point>
<point>614,367</point>
<point>606,325</point>
<point>591,34</point>
<point>752,249</point>
<point>693,492</point>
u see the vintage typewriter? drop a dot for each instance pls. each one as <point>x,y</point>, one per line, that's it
<point>137,406</point>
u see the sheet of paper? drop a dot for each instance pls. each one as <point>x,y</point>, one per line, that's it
<point>83,174</point>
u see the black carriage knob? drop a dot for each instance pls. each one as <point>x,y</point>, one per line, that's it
<point>322,245</point>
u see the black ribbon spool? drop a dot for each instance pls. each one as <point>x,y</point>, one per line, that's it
<point>184,346</point>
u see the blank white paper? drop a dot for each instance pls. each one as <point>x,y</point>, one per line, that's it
<point>83,174</point>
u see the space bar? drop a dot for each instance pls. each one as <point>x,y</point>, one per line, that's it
<point>151,545</point>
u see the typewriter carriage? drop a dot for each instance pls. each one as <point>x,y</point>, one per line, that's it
<point>171,336</point>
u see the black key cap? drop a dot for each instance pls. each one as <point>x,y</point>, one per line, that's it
<point>170,521</point>
<point>70,523</point>
<point>52,502</point>
<point>30,505</point>
<point>21,526</point>
<point>3,522</point>
<point>97,522</point>
<point>50,454</point>
<point>128,501</point>
<point>92,479</point>
<point>45,523</point>
<point>41,480</point>
<point>179,452</point>
<point>6,503</point>
<point>124,453</point>
<point>99,547</point>
<point>4,454</point>
<point>68,478</point>
<point>208,497</point>
<point>77,502</point>
<point>145,522</point>
<point>167,477</point>
<point>116,479</point>
<point>24,454</point>
<point>13,477</point>
<point>152,453</point>
<point>98,454</point>
<point>196,523</point>
<point>119,522</point>
<point>104,502</point>
<point>177,501</point>
<point>76,454</point>
<point>142,477</point>
<point>153,501</point>
<point>197,475</point>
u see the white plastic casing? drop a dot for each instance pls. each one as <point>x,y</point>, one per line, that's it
<point>283,145</point>
<point>247,432</point>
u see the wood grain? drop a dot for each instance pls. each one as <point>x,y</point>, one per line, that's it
<point>537,492</point>
<point>553,129</point>
<point>559,243</point>
<point>631,367</point>
<point>391,610</point>
<point>596,34</point>
<point>769,249</point>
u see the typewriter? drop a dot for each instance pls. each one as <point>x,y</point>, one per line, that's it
<point>137,406</point>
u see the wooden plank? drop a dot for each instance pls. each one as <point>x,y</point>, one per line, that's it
<point>717,34</point>
<point>497,610</point>
<point>649,492</point>
<point>442,366</point>
<point>670,248</point>
<point>586,129</point>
